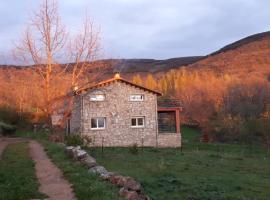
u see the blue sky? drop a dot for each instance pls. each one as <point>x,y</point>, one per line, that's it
<point>156,29</point>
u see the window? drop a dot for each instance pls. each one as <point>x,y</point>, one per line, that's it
<point>166,122</point>
<point>97,97</point>
<point>98,123</point>
<point>136,97</point>
<point>137,122</point>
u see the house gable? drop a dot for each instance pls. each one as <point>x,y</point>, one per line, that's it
<point>113,80</point>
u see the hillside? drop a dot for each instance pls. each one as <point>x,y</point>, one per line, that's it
<point>133,65</point>
<point>153,66</point>
<point>250,55</point>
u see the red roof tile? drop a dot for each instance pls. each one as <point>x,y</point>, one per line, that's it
<point>115,79</point>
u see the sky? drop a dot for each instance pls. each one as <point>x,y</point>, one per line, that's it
<point>157,29</point>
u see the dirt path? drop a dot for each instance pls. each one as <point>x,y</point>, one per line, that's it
<point>52,182</point>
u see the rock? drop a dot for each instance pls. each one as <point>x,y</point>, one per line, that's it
<point>115,179</point>
<point>89,161</point>
<point>132,195</point>
<point>131,184</point>
<point>76,148</point>
<point>129,195</point>
<point>69,150</point>
<point>126,182</point>
<point>99,170</point>
<point>107,176</point>
<point>80,154</point>
<point>77,153</point>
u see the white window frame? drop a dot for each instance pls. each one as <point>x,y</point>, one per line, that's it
<point>134,99</point>
<point>93,97</point>
<point>98,118</point>
<point>138,126</point>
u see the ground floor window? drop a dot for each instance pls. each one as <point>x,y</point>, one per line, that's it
<point>166,122</point>
<point>98,123</point>
<point>137,122</point>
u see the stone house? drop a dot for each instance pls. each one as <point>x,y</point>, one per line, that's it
<point>117,112</point>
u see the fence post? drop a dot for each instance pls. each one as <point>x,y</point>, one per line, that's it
<point>142,143</point>
<point>102,145</point>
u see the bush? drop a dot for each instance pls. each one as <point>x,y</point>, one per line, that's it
<point>134,149</point>
<point>7,129</point>
<point>11,116</point>
<point>236,130</point>
<point>74,140</point>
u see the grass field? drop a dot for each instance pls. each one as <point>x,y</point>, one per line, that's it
<point>86,185</point>
<point>200,172</point>
<point>17,174</point>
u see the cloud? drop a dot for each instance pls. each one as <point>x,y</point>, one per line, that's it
<point>150,28</point>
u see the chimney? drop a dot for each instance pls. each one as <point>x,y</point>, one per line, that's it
<point>117,75</point>
<point>75,88</point>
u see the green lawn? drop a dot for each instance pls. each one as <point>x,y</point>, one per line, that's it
<point>17,174</point>
<point>86,185</point>
<point>200,172</point>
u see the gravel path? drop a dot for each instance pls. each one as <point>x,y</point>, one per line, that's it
<point>52,182</point>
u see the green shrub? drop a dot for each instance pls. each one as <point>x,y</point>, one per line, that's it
<point>134,149</point>
<point>7,129</point>
<point>74,140</point>
<point>236,130</point>
<point>12,116</point>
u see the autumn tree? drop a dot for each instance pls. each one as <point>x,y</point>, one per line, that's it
<point>151,82</point>
<point>46,43</point>
<point>264,126</point>
<point>137,79</point>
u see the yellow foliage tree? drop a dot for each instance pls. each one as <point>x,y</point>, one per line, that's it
<point>151,82</point>
<point>137,79</point>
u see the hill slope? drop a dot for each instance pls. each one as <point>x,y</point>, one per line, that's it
<point>250,55</point>
<point>243,57</point>
<point>134,65</point>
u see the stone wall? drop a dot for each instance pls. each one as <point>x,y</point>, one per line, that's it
<point>169,140</point>
<point>118,111</point>
<point>75,120</point>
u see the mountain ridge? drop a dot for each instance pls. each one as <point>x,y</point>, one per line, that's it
<point>247,54</point>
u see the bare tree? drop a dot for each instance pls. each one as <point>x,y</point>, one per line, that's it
<point>84,48</point>
<point>46,43</point>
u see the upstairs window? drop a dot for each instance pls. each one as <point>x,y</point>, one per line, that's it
<point>98,123</point>
<point>97,97</point>
<point>137,122</point>
<point>136,97</point>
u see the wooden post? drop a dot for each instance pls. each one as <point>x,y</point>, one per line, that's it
<point>142,143</point>
<point>177,119</point>
<point>102,147</point>
<point>35,128</point>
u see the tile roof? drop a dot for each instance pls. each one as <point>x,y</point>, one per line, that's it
<point>116,79</point>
